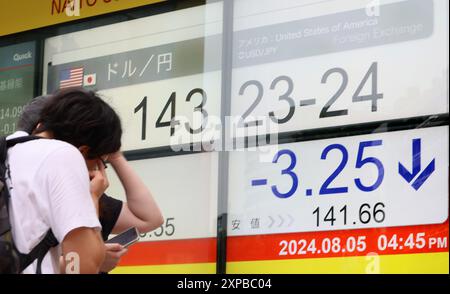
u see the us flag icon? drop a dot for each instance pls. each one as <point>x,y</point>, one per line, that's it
<point>72,77</point>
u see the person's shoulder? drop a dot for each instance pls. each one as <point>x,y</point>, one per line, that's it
<point>48,143</point>
<point>40,148</point>
<point>60,160</point>
<point>54,152</point>
<point>59,149</point>
<point>52,145</point>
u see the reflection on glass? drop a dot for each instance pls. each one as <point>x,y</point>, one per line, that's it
<point>17,66</point>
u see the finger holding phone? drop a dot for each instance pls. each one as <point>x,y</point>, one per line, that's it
<point>113,253</point>
<point>116,247</point>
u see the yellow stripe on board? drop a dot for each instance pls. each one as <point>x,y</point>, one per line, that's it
<point>23,15</point>
<point>427,263</point>
<point>188,268</point>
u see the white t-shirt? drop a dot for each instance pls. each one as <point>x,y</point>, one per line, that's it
<point>49,188</point>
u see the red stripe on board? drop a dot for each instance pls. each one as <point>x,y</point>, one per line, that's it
<point>291,246</point>
<point>15,67</point>
<point>171,252</point>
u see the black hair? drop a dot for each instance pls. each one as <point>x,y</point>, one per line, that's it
<point>80,117</point>
<point>31,113</point>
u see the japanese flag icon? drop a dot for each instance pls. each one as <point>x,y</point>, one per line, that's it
<point>90,80</point>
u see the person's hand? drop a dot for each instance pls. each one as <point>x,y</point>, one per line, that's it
<point>99,180</point>
<point>113,254</point>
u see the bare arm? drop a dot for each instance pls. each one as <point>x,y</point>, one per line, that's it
<point>83,251</point>
<point>140,210</point>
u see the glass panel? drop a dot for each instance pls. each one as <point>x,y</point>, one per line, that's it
<point>17,75</point>
<point>355,177</point>
<point>162,74</point>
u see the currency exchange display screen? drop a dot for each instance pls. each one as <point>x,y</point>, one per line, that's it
<point>351,177</point>
<point>370,203</point>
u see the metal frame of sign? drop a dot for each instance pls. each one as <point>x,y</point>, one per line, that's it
<point>39,36</point>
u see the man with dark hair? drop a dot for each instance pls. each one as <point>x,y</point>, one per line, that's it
<point>73,117</point>
<point>49,183</point>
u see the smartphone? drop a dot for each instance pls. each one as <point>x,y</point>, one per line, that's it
<point>125,238</point>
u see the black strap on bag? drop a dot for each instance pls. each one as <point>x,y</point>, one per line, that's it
<point>18,140</point>
<point>41,249</point>
<point>38,252</point>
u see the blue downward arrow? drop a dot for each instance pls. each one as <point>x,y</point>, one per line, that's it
<point>409,176</point>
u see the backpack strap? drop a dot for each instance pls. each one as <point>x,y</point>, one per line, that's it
<point>12,142</point>
<point>38,252</point>
<point>49,241</point>
<point>4,146</point>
